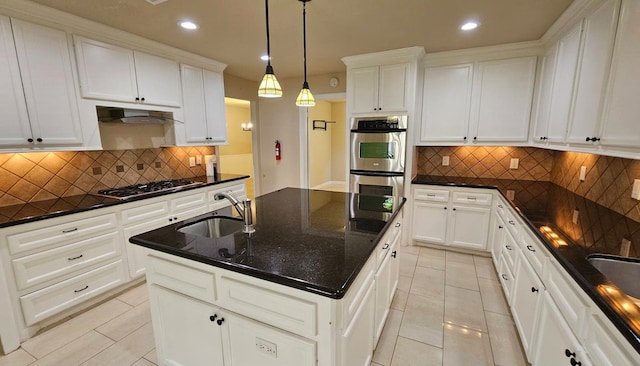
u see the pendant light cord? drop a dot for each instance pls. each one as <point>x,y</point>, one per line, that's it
<point>304,36</point>
<point>266,7</point>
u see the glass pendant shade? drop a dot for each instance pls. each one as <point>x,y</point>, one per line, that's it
<point>269,87</point>
<point>305,98</point>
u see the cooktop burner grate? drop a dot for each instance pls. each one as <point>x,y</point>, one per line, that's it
<point>146,188</point>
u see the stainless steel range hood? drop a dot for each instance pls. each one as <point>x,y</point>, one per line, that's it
<point>132,116</point>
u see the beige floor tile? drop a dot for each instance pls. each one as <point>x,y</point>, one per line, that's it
<point>152,356</point>
<point>143,362</point>
<point>492,296</point>
<point>411,353</point>
<point>422,320</point>
<point>433,252</point>
<point>411,249</point>
<point>463,308</point>
<point>505,343</point>
<point>136,295</point>
<point>77,351</point>
<point>485,268</point>
<point>408,264</point>
<point>18,357</point>
<point>466,347</point>
<point>428,282</point>
<point>461,275</point>
<point>399,301</point>
<point>387,342</point>
<point>376,364</point>
<point>127,351</point>
<point>126,323</point>
<point>431,259</point>
<point>459,257</point>
<point>404,283</point>
<point>47,342</point>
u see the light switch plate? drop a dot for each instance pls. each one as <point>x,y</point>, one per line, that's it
<point>445,160</point>
<point>515,162</point>
<point>511,194</point>
<point>625,247</point>
<point>574,219</point>
<point>635,192</point>
<point>583,173</point>
<point>192,161</point>
<point>198,159</point>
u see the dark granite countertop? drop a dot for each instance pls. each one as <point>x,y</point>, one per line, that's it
<point>599,230</point>
<point>307,239</point>
<point>41,210</point>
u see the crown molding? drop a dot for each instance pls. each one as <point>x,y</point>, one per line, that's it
<point>386,57</point>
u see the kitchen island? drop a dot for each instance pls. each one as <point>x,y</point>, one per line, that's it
<point>315,279</point>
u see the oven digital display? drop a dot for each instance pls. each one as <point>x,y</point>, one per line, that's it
<point>375,203</point>
<point>378,150</point>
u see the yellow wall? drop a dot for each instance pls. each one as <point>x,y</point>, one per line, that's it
<point>339,142</point>
<point>319,145</point>
<point>239,141</point>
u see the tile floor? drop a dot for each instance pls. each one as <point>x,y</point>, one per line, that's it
<point>448,310</point>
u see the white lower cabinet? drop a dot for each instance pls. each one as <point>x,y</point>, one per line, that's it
<point>604,346</point>
<point>555,344</point>
<point>386,283</point>
<point>430,222</point>
<point>357,339</point>
<point>527,295</point>
<point>469,226</point>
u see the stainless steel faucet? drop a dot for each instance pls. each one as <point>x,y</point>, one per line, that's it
<point>243,208</point>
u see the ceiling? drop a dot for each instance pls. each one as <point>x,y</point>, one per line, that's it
<point>233,31</point>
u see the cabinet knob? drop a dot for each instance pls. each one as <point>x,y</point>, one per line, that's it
<point>454,209</point>
<point>142,99</point>
<point>39,139</point>
<point>465,138</point>
<point>445,208</point>
<point>394,253</point>
<point>29,140</point>
<point>170,219</point>
<point>500,227</point>
<point>530,248</point>
<point>137,99</point>
<point>568,353</point>
<point>220,321</point>
<point>175,219</point>
<point>213,317</point>
<point>533,289</point>
<point>475,138</point>
<point>574,362</point>
<point>592,139</point>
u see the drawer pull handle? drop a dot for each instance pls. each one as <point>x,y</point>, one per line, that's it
<point>568,353</point>
<point>533,289</point>
<point>74,258</point>
<point>508,247</point>
<point>500,206</point>
<point>398,224</point>
<point>213,317</point>
<point>504,277</point>
<point>471,198</point>
<point>220,321</point>
<point>512,222</point>
<point>70,230</point>
<point>385,246</point>
<point>394,253</point>
<point>82,289</point>
<point>530,248</point>
<point>431,194</point>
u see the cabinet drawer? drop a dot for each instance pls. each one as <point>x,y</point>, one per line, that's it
<point>424,194</point>
<point>506,278</point>
<point>185,280</point>
<point>563,291</point>
<point>535,253</point>
<point>278,309</point>
<point>145,212</point>
<point>470,198</point>
<point>60,234</point>
<point>51,300</point>
<point>510,251</point>
<point>512,223</point>
<point>357,292</point>
<point>501,208</point>
<point>188,203</point>
<point>384,247</point>
<point>41,267</point>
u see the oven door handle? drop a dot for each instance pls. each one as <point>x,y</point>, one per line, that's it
<point>369,173</point>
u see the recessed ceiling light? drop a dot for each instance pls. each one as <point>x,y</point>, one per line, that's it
<point>264,57</point>
<point>469,26</point>
<point>187,24</point>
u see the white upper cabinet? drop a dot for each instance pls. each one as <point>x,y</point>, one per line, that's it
<point>501,100</point>
<point>379,88</point>
<point>47,88</point>
<point>545,95</point>
<point>620,125</point>
<point>203,100</point>
<point>446,103</point>
<point>597,46</point>
<point>109,72</point>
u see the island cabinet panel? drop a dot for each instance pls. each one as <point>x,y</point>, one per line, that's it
<point>357,339</point>
<point>190,281</point>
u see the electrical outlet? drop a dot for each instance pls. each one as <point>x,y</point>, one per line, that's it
<point>583,173</point>
<point>266,347</point>
<point>511,194</point>
<point>635,192</point>
<point>192,161</point>
<point>515,162</point>
<point>445,160</point>
<point>574,219</point>
<point>198,159</point>
<point>625,247</point>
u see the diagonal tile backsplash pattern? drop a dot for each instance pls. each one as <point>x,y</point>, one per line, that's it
<point>31,177</point>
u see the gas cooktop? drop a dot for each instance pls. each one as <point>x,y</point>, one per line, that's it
<point>136,190</point>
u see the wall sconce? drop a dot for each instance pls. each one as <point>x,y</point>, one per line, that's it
<point>247,126</point>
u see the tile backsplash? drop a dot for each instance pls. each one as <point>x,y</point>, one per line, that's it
<point>30,177</point>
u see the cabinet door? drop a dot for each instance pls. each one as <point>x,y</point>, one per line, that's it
<point>498,239</point>
<point>501,99</point>
<point>621,125</point>
<point>158,80</point>
<point>47,77</point>
<point>106,72</point>
<point>15,120</point>
<point>358,337</point>
<point>135,253</point>
<point>195,115</point>
<point>545,93</point>
<point>554,340</point>
<point>254,343</point>
<point>527,295</point>
<point>383,301</point>
<point>184,333</point>
<point>214,107</point>
<point>446,103</point>
<point>364,93</point>
<point>599,32</point>
<point>430,222</point>
<point>469,227</point>
<point>392,88</point>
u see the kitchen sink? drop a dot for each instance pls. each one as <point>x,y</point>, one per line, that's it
<point>622,271</point>
<point>215,227</point>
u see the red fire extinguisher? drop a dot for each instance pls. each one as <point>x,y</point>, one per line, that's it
<point>277,150</point>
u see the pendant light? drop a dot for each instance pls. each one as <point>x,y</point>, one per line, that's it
<point>269,87</point>
<point>305,98</point>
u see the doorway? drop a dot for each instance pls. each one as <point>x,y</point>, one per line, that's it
<point>327,144</point>
<point>237,156</point>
